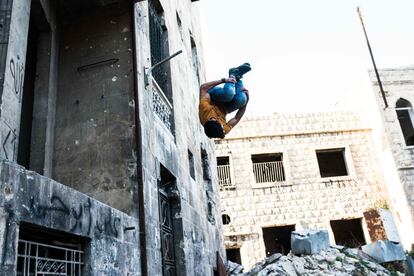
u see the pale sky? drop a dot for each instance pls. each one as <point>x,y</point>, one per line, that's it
<point>306,55</point>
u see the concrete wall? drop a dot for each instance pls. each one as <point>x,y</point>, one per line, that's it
<point>304,199</point>
<point>29,197</point>
<point>395,157</point>
<point>94,138</point>
<point>162,147</point>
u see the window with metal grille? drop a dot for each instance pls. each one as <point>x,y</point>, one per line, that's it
<point>405,114</point>
<point>159,47</point>
<point>224,172</point>
<point>46,252</point>
<point>268,168</point>
<point>332,162</point>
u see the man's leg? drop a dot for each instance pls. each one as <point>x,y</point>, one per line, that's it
<point>239,100</point>
<point>223,94</point>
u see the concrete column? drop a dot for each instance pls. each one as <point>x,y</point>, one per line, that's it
<point>11,96</point>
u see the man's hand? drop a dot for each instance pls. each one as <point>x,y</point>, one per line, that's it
<point>233,80</point>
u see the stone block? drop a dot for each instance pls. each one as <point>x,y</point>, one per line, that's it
<point>384,251</point>
<point>309,242</point>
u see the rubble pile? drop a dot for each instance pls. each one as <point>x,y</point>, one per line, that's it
<point>334,260</point>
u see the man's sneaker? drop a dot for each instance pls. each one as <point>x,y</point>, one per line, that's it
<point>239,71</point>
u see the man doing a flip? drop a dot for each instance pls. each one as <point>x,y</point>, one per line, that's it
<point>217,101</point>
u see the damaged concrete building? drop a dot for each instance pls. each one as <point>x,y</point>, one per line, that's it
<point>394,137</point>
<point>281,173</point>
<point>104,167</point>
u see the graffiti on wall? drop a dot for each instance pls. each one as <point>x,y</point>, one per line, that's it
<point>17,73</point>
<point>8,142</point>
<point>81,216</point>
<point>82,219</point>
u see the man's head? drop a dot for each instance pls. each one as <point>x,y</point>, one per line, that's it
<point>213,129</point>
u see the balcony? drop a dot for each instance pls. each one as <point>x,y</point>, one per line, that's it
<point>161,105</point>
<point>224,177</point>
<point>269,172</point>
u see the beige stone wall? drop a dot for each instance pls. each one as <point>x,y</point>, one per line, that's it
<point>396,158</point>
<point>304,199</point>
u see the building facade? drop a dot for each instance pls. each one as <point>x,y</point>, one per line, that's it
<point>395,145</point>
<point>281,173</point>
<point>104,167</point>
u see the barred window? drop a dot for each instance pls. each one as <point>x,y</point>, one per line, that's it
<point>268,168</point>
<point>159,47</point>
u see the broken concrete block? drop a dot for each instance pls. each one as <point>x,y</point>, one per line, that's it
<point>384,251</point>
<point>309,242</point>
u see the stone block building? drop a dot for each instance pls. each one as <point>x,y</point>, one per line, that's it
<point>104,168</point>
<point>395,144</point>
<point>281,173</point>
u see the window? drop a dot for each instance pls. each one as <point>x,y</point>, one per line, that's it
<point>233,255</point>
<point>225,219</point>
<point>191,164</point>
<point>348,232</point>
<point>405,114</point>
<point>159,47</point>
<point>277,239</point>
<point>195,62</point>
<point>332,162</point>
<point>206,164</point>
<point>43,251</point>
<point>268,168</point>
<point>224,173</point>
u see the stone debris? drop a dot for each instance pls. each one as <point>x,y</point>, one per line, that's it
<point>309,242</point>
<point>335,261</point>
<point>384,251</point>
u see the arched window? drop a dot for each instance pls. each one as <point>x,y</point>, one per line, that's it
<point>405,116</point>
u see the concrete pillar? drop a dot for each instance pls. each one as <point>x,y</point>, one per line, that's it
<point>12,86</point>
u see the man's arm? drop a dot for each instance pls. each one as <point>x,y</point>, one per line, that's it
<point>206,86</point>
<point>234,121</point>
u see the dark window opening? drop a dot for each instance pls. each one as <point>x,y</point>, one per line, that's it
<point>159,47</point>
<point>332,162</point>
<point>404,111</point>
<point>233,255</point>
<point>268,167</point>
<point>191,164</point>
<point>195,61</point>
<point>225,219</point>
<point>37,25</point>
<point>277,239</point>
<point>348,233</point>
<point>43,251</point>
<point>223,161</point>
<point>206,165</point>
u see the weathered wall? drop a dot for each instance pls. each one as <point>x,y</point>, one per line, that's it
<point>304,199</point>
<point>201,236</point>
<point>94,141</point>
<point>26,196</point>
<point>13,79</point>
<point>395,157</point>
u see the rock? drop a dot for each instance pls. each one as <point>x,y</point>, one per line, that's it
<point>233,268</point>
<point>272,258</point>
<point>309,242</point>
<point>384,251</point>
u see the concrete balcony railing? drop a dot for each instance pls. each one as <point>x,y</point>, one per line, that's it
<point>266,172</point>
<point>161,105</point>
